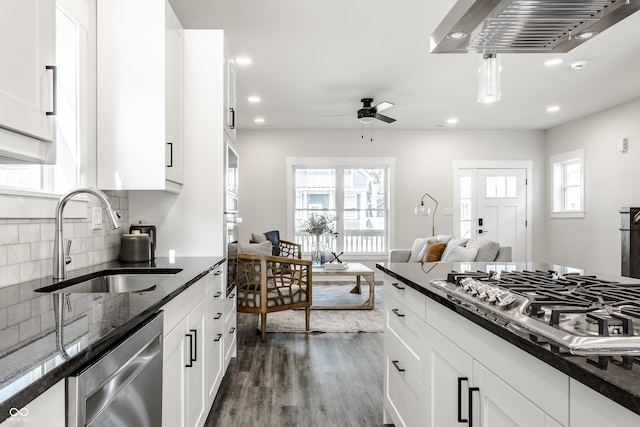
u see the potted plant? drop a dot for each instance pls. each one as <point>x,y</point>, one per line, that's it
<point>318,224</point>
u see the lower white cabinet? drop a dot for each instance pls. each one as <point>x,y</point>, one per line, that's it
<point>230,324</point>
<point>589,408</point>
<point>196,341</point>
<point>443,370</point>
<point>48,409</point>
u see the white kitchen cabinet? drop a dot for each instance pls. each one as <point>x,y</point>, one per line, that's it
<point>140,96</point>
<point>27,87</point>
<point>434,357</point>
<point>48,409</point>
<point>183,382</point>
<point>589,408</point>
<point>214,333</point>
<point>230,99</point>
<point>230,324</point>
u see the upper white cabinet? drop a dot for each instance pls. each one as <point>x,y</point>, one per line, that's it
<point>27,80</point>
<point>229,93</point>
<point>140,96</point>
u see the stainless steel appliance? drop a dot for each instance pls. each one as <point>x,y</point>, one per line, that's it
<point>231,217</point>
<point>579,314</point>
<point>123,387</point>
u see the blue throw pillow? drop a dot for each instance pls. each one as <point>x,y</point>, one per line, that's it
<point>274,237</point>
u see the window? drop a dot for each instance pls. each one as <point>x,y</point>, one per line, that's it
<point>567,178</point>
<point>356,192</point>
<point>71,60</point>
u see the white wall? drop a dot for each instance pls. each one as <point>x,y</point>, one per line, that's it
<point>423,164</point>
<point>611,182</point>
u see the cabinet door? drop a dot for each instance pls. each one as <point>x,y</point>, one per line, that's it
<point>589,408</point>
<point>174,96</point>
<point>173,377</point>
<point>499,405</point>
<point>230,93</point>
<point>447,388</point>
<point>194,368</point>
<point>27,28</point>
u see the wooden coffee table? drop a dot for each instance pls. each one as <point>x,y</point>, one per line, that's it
<point>356,270</point>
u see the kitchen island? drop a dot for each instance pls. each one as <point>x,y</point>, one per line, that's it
<point>490,362</point>
<point>37,352</point>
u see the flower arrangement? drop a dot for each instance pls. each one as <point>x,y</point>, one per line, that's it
<point>318,224</point>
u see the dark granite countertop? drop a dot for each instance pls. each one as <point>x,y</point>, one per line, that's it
<point>618,384</point>
<point>30,358</point>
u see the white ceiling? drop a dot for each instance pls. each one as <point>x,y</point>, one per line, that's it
<point>313,59</point>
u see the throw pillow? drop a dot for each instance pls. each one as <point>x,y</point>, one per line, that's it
<point>258,238</point>
<point>460,254</point>
<point>487,250</point>
<point>453,243</point>
<point>263,248</point>
<point>434,252</point>
<point>418,249</point>
<point>274,237</point>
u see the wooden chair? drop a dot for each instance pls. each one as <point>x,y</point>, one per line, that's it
<point>266,284</point>
<point>290,249</point>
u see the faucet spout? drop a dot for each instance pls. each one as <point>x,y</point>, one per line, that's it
<point>59,266</point>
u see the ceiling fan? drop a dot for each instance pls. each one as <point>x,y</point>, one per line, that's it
<point>367,113</point>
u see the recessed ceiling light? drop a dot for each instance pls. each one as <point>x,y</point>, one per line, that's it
<point>452,121</point>
<point>578,65</point>
<point>258,120</point>
<point>553,109</point>
<point>254,99</point>
<point>553,62</point>
<point>586,35</point>
<point>457,35</point>
<point>243,60</point>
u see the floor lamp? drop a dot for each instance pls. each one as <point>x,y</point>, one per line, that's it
<point>422,210</point>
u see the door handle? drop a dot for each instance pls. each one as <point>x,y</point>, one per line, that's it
<point>55,89</point>
<point>471,390</point>
<point>170,144</point>
<point>460,380</point>
<point>232,123</point>
<point>397,312</point>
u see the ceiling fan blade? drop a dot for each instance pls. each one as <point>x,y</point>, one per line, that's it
<point>384,118</point>
<point>382,106</point>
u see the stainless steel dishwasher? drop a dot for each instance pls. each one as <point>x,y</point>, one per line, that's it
<point>122,388</point>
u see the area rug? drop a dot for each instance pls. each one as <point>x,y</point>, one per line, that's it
<point>332,320</point>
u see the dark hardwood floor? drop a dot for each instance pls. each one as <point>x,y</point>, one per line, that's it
<point>296,379</point>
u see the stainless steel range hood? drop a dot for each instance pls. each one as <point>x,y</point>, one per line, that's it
<point>525,26</point>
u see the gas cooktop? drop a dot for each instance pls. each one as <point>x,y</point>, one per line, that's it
<point>581,314</point>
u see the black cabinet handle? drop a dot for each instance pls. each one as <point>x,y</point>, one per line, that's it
<point>397,286</point>
<point>232,124</point>
<point>170,144</point>
<point>471,390</point>
<point>217,316</point>
<point>217,295</point>
<point>55,89</point>
<point>190,362</point>
<point>217,272</point>
<point>195,344</point>
<point>217,338</point>
<point>396,363</point>
<point>232,330</point>
<point>397,312</point>
<point>232,296</point>
<point>460,380</point>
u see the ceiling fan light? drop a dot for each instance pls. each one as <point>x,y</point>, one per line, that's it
<point>489,81</point>
<point>365,120</point>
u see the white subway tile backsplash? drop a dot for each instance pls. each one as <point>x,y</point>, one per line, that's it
<point>9,234</point>
<point>18,313</point>
<point>29,233</point>
<point>26,246</point>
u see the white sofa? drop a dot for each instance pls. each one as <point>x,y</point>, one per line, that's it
<point>456,250</point>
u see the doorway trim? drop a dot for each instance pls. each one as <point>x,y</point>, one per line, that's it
<point>503,164</point>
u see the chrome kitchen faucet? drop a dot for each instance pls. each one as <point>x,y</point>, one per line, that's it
<point>60,259</point>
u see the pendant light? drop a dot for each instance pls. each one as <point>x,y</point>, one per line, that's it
<point>489,81</point>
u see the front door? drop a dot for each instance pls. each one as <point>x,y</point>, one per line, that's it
<point>493,206</point>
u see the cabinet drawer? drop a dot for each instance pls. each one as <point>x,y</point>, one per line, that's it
<point>407,327</point>
<point>416,362</point>
<point>179,307</point>
<point>405,394</point>
<point>214,282</point>
<point>410,298</point>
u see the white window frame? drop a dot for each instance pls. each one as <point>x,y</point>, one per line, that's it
<point>344,163</point>
<point>557,178</point>
<point>40,204</point>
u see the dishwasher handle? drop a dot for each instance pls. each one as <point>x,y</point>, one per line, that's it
<point>101,398</point>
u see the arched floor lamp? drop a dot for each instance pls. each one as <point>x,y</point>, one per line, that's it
<point>422,210</point>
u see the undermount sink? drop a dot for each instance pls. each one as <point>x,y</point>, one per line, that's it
<point>113,280</point>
